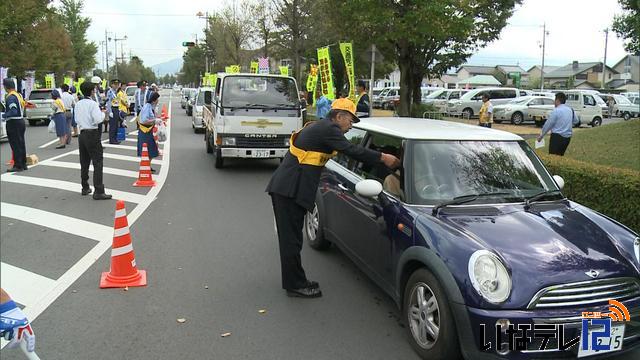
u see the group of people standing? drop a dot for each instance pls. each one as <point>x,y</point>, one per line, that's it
<point>323,104</point>
<point>84,117</point>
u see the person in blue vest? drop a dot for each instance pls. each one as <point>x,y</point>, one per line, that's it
<point>14,116</point>
<point>146,121</point>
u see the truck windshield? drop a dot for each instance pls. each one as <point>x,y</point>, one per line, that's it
<point>240,91</point>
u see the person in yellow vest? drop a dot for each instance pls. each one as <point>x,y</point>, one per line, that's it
<point>59,119</point>
<point>294,184</point>
<point>486,112</point>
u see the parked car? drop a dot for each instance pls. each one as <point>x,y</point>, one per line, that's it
<point>622,106</point>
<point>543,93</point>
<point>386,98</point>
<point>469,104</point>
<point>130,91</point>
<point>517,111</point>
<point>185,93</point>
<point>473,232</point>
<point>376,98</point>
<point>440,98</point>
<point>41,109</point>
<point>583,103</point>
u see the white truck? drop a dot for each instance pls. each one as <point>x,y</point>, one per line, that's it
<point>251,116</point>
<point>584,104</point>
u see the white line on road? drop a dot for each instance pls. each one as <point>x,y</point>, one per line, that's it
<point>105,170</point>
<point>66,280</point>
<point>47,144</point>
<point>118,157</point>
<point>68,224</point>
<point>68,186</point>
<point>124,147</point>
<point>25,285</point>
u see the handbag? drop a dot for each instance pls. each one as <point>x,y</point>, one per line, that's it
<point>122,134</point>
<point>52,126</point>
<point>162,133</point>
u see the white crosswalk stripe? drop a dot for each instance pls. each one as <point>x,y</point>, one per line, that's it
<point>37,292</point>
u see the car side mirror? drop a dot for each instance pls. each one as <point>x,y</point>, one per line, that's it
<point>559,180</point>
<point>368,188</point>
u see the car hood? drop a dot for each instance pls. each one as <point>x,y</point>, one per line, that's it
<point>551,243</point>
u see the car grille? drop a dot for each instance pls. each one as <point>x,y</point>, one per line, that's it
<point>245,142</point>
<point>586,294</point>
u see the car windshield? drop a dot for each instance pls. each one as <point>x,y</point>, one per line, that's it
<point>622,100</point>
<point>259,91</point>
<point>130,91</point>
<point>384,92</point>
<point>200,99</point>
<point>599,100</point>
<point>438,94</point>
<point>40,95</point>
<point>443,170</point>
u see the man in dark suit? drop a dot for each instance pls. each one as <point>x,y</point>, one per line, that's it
<point>294,184</point>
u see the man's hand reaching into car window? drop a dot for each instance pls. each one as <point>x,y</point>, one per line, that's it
<point>390,161</point>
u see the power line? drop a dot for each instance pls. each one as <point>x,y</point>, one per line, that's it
<point>140,14</point>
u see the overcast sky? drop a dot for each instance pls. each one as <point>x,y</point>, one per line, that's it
<point>156,29</point>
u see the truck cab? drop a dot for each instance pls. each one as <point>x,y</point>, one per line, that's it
<point>251,116</point>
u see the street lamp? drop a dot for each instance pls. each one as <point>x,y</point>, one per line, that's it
<point>205,16</point>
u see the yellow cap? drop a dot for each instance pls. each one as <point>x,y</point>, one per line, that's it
<point>346,105</point>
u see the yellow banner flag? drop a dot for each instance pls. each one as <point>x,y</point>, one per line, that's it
<point>80,81</point>
<point>312,82</point>
<point>326,79</point>
<point>232,69</point>
<point>254,67</point>
<point>347,54</point>
<point>49,81</point>
<point>212,79</point>
<point>104,83</point>
<point>68,80</point>
<point>284,70</point>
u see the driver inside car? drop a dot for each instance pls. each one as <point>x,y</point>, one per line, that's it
<point>393,183</point>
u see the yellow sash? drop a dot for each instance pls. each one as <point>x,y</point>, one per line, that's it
<point>17,94</point>
<point>145,129</point>
<point>307,157</point>
<point>60,105</point>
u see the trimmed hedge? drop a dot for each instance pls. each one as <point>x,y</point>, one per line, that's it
<point>611,191</point>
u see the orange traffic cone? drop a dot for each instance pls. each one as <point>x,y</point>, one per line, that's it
<point>124,271</point>
<point>164,115</point>
<point>144,176</point>
<point>11,162</point>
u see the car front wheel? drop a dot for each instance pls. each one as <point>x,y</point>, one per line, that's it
<point>313,230</point>
<point>626,116</point>
<point>430,323</point>
<point>516,118</point>
<point>467,113</point>
<point>597,121</point>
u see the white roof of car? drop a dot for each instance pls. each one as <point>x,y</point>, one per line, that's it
<point>427,129</point>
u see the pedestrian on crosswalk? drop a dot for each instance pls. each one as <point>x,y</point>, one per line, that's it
<point>69,102</point>
<point>146,122</point>
<point>114,111</point>
<point>59,119</point>
<point>89,117</point>
<point>14,116</point>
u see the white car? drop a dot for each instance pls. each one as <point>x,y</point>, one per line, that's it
<point>517,111</point>
<point>130,91</point>
<point>197,121</point>
<point>3,124</point>
<point>470,103</point>
<point>583,103</point>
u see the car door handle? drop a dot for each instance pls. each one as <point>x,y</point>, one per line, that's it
<point>342,187</point>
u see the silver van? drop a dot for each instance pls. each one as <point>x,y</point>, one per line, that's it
<point>469,104</point>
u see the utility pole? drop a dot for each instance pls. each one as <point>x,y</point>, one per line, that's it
<point>604,62</point>
<point>373,70</point>
<point>106,52</point>
<point>544,42</point>
<point>204,16</point>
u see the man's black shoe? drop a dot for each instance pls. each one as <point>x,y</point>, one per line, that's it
<point>14,169</point>
<point>86,191</point>
<point>102,196</point>
<point>307,292</point>
<point>312,284</point>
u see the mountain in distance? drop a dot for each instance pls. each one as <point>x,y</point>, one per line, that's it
<point>168,67</point>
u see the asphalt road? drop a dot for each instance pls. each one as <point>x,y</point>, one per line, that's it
<point>207,242</point>
<point>208,245</point>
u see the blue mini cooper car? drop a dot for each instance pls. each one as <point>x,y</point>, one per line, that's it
<point>477,245</point>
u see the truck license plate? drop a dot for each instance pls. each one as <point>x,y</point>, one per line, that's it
<point>614,342</point>
<point>261,153</point>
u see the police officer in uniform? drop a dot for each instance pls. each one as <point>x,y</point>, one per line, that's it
<point>15,126</point>
<point>294,184</point>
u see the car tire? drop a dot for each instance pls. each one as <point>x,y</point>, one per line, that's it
<point>467,112</point>
<point>626,116</point>
<point>208,142</point>
<point>219,160</point>
<point>517,118</point>
<point>312,230</point>
<point>597,121</point>
<point>32,122</point>
<point>421,320</point>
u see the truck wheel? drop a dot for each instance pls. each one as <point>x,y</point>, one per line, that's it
<point>597,121</point>
<point>219,160</point>
<point>626,116</point>
<point>32,122</point>
<point>208,143</point>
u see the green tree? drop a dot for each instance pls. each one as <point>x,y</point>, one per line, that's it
<point>133,71</point>
<point>425,38</point>
<point>83,51</point>
<point>263,26</point>
<point>294,26</point>
<point>229,34</point>
<point>627,25</point>
<point>192,66</point>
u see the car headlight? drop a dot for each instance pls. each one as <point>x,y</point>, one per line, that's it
<point>229,141</point>
<point>636,248</point>
<point>507,109</point>
<point>489,276</point>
